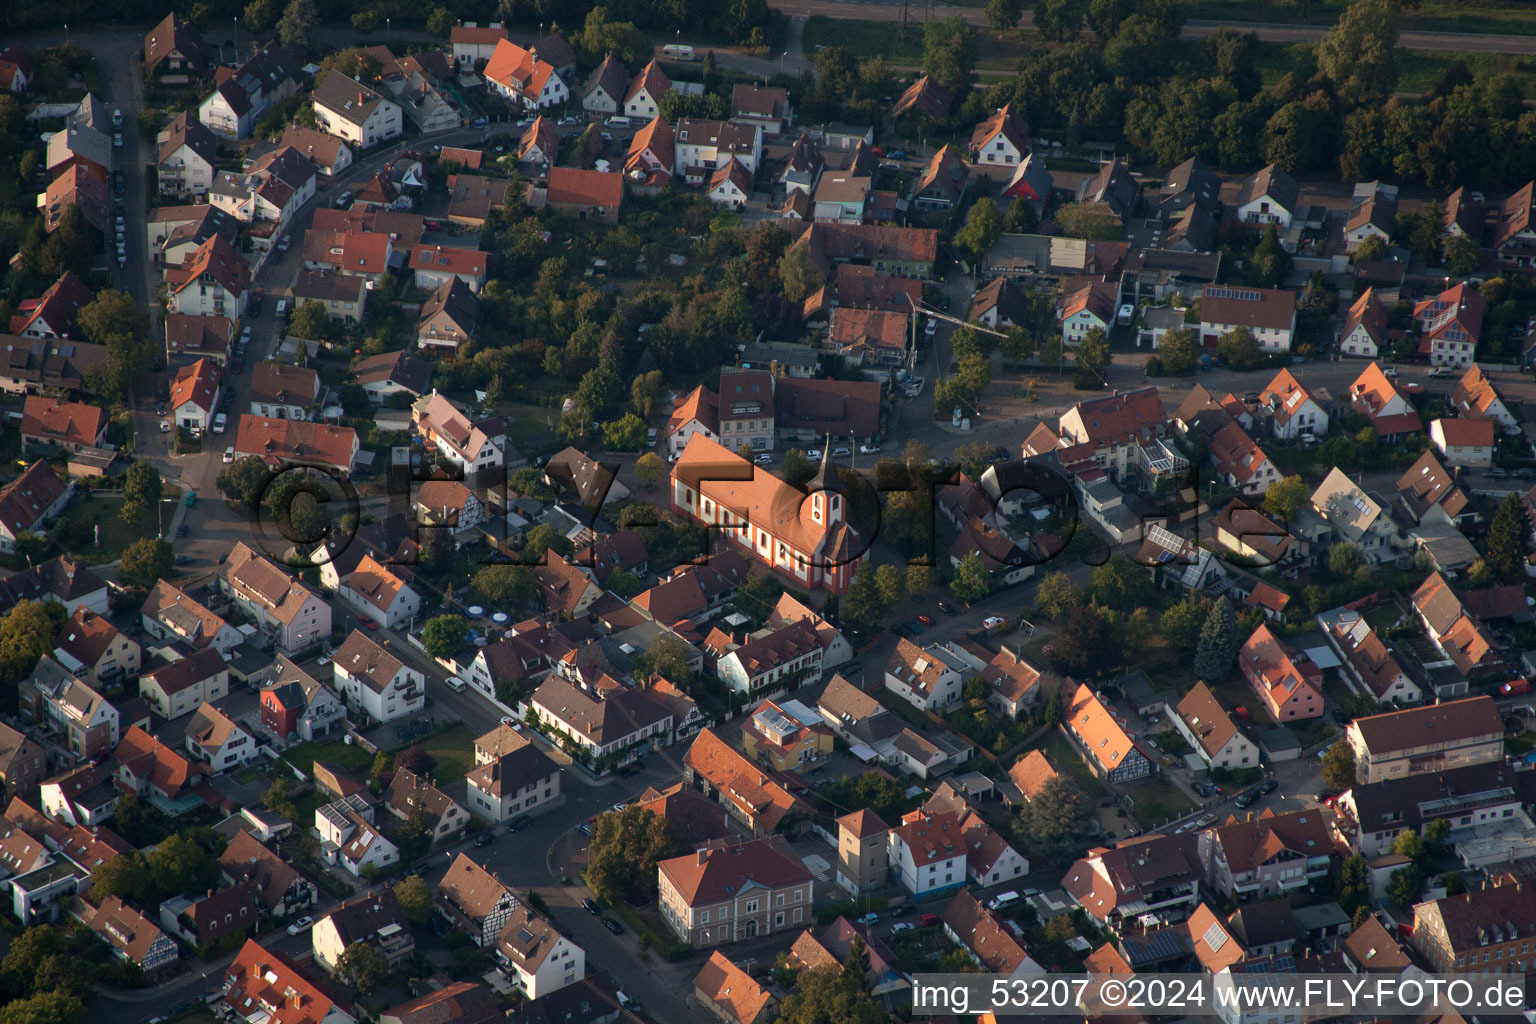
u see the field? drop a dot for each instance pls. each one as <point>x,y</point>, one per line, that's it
<point>886,39</point>
<point>353,758</point>
<point>1491,16</point>
<point>1418,70</point>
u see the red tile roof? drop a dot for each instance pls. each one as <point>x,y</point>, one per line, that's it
<point>198,384</point>
<point>575,187</point>
<point>54,419</point>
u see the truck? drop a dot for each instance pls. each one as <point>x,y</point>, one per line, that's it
<point>678,51</point>
<point>1515,686</point>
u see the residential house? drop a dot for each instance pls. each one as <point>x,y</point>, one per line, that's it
<point>343,296</point>
<point>1476,397</point>
<point>624,725</point>
<point>1456,631</point>
<point>774,659</point>
<point>195,396</point>
<point>928,678</point>
<point>472,198</point>
<point>704,145</point>
<point>1468,799</point>
<point>730,993</point>
<point>1373,671</point>
<point>990,943</point>
<point>54,698</point>
<point>567,590</point>
<point>133,938</point>
<point>475,901</point>
<point>281,890</point>
<point>1102,738</point>
<point>943,182</point>
<point>220,915</point>
<point>539,145</point>
<point>519,76</point>
<point>410,794</point>
<point>153,771</point>
<point>170,613</point>
<point>261,985</point>
<point>392,373</point>
<point>473,43</point>
<point>85,795</point>
<point>835,647</point>
<point>1365,328</point>
<point>1463,442</point>
<point>371,678</point>
<point>542,960</point>
<point>190,338</point>
<point>1372,214</point>
<point>1514,236</point>
<point>863,858</point>
<point>188,156</point>
<point>642,100</point>
<point>330,155</point>
<point>1430,494</point>
<point>349,838</point>
<point>605,90</point>
<point>1294,410</point>
<point>1475,932</point>
<point>16,68</point>
<point>217,741</point>
<point>764,107</point>
<point>1154,874</point>
<point>1289,686</point>
<point>449,317</point>
<point>286,609</point>
<point>214,280</point>
<point>1268,855</point>
<point>288,442</point>
<point>1449,325</point>
<point>779,737</point>
<point>727,894</point>
<point>1031,183</point>
<point>590,195</point>
<point>435,265</point>
<point>380,592</point>
<point>1209,729</point>
<point>1112,189</point>
<point>297,706</point>
<point>77,187</point>
<point>1355,516</point>
<point>52,315</point>
<point>351,111</point>
<point>23,764</point>
<point>62,424</point>
<point>753,796</point>
<point>374,919</point>
<point>241,97</point>
<point>175,46</point>
<point>1117,429</point>
<point>924,98</point>
<point>461,1002</point>
<point>1270,314</point>
<point>803,166</point>
<point>1240,462</point>
<point>1031,772</point>
<point>182,686</point>
<point>1268,197</point>
<point>522,782</point>
<point>30,501</point>
<point>1429,739</point>
<point>652,157</point>
<point>999,304</point>
<point>875,339</point>
<point>1001,140</point>
<point>812,545</point>
<point>730,185</point>
<point>1091,307</point>
<point>1013,683</point>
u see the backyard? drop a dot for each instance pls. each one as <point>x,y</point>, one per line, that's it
<point>76,529</point>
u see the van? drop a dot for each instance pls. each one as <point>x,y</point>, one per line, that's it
<point>282,308</point>
<point>618,121</point>
<point>650,438</point>
<point>929,920</point>
<point>455,684</point>
<point>1003,901</point>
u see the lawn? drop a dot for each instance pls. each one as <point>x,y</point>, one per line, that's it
<point>353,758</point>
<point>886,39</point>
<point>1065,757</point>
<point>454,752</point>
<point>1418,70</point>
<point>1495,16</point>
<point>76,531</point>
<point>1155,801</point>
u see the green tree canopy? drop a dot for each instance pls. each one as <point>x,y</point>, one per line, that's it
<point>1360,52</point>
<point>623,851</point>
<point>1179,350</point>
<point>1219,641</point>
<point>444,635</point>
<point>363,967</point>
<point>145,561</point>
<point>1286,497</point>
<point>1339,767</point>
<point>983,225</point>
<point>1056,822</point>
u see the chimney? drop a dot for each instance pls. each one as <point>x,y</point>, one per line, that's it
<point>704,855</point>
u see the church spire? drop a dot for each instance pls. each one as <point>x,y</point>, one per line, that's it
<point>825,479</point>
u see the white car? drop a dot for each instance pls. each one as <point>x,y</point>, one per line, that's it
<point>814,454</point>
<point>765,459</point>
<point>220,421</point>
<point>229,454</point>
<point>165,426</point>
<point>869,449</point>
<point>621,805</point>
<point>303,924</point>
<point>323,660</point>
<point>932,328</point>
<point>838,453</point>
<point>902,926</point>
<point>1127,314</point>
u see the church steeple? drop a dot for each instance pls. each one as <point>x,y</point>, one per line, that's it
<point>826,489</point>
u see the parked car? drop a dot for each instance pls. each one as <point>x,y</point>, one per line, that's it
<point>484,839</point>
<point>925,620</point>
<point>591,908</point>
<point>519,823</point>
<point>841,453</point>
<point>764,459</point>
<point>814,454</point>
<point>367,623</point>
<point>220,422</point>
<point>869,918</point>
<point>229,453</point>
<point>1246,799</point>
<point>117,140</point>
<point>165,426</point>
<point>902,926</point>
<point>183,559</point>
<point>303,924</point>
<point>946,607</point>
<point>869,449</point>
<point>612,926</point>
<point>1268,786</point>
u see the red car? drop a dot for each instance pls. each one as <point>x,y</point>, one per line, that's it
<point>367,623</point>
<point>925,620</point>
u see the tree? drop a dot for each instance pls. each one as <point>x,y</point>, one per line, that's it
<point>668,656</point>
<point>972,580</point>
<point>1217,650</point>
<point>1359,53</point>
<point>649,468</point>
<point>440,22</point>
<point>1408,843</point>
<point>1003,15</point>
<point>1093,356</point>
<point>1179,351</point>
<point>1344,559</point>
<point>244,481</point>
<point>1083,643</point>
<point>259,15</point>
<point>1271,263</point>
<point>116,321</point>
<point>919,579</point>
<point>856,967</point>
<point>983,227</point>
<point>622,854</point>
<point>443,635</point>
<point>1286,497</point>
<point>146,560</point>
<point>829,995</point>
<point>1461,255</point>
<point>179,865</point>
<point>142,488</point>
<point>1055,595</point>
<point>1120,584</point>
<point>1239,348</point>
<point>297,26</point>
<point>645,392</point>
<point>124,876</point>
<point>796,469</point>
<point>52,1007</point>
<point>27,633</point>
<point>311,322</point>
<point>622,583</point>
<point>889,580</point>
<point>415,899</point>
<point>798,274</point>
<point>1406,885</point>
<point>362,967</point>
<point>279,798</point>
<point>949,54</point>
<point>1371,250</point>
<point>1509,537</point>
<point>1339,767</point>
<point>1181,624</point>
<point>1060,20</point>
<point>1056,822</point>
<point>1076,220</point>
<point>625,434</point>
<point>860,606</point>
<point>505,586</point>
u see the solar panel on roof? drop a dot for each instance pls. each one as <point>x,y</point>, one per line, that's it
<point>1215,936</point>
